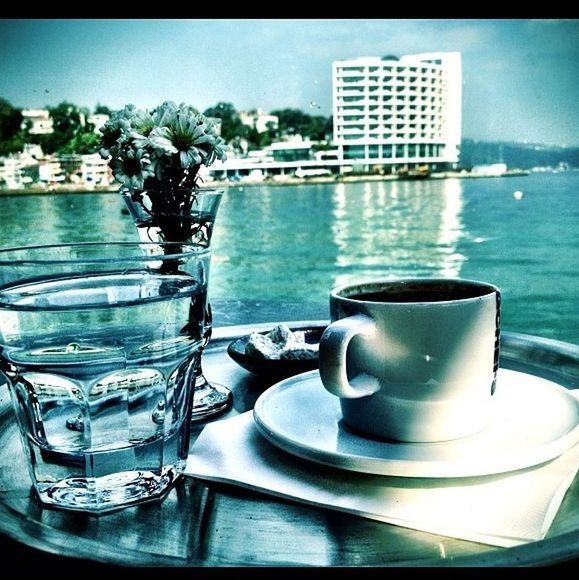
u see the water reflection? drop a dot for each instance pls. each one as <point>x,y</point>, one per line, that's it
<point>392,229</point>
<point>283,243</point>
<point>274,243</point>
<point>451,228</point>
<point>63,218</point>
<point>297,243</point>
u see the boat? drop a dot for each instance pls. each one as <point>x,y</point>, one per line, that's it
<point>421,172</point>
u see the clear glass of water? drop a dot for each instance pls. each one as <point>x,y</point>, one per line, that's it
<point>99,343</point>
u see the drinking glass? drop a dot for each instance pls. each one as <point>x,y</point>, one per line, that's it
<point>99,343</point>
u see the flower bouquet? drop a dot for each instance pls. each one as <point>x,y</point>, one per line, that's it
<point>156,157</point>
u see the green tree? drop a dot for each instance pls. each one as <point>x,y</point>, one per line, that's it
<point>10,120</point>
<point>291,121</point>
<point>296,122</point>
<point>102,110</point>
<point>231,125</point>
<point>257,140</point>
<point>11,134</point>
<point>70,136</point>
<point>317,129</point>
<point>66,120</point>
<point>84,142</point>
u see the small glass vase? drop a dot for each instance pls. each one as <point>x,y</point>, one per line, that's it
<point>187,216</point>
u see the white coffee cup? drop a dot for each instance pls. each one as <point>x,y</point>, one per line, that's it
<point>413,359</point>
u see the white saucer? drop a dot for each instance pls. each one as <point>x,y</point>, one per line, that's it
<point>534,420</point>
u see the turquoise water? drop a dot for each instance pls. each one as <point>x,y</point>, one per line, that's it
<point>290,245</point>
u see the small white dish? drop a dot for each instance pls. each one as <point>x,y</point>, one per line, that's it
<point>533,420</point>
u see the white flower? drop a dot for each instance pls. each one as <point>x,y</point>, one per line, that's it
<point>160,139</point>
<point>132,169</point>
<point>167,144</point>
<point>114,133</point>
<point>143,123</point>
<point>165,114</point>
<point>218,151</point>
<point>188,137</point>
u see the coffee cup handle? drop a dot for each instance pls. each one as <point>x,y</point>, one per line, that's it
<point>332,355</point>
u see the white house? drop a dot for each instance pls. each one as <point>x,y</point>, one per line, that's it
<point>40,120</point>
<point>259,120</point>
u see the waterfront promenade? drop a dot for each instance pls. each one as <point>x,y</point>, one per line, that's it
<point>287,180</point>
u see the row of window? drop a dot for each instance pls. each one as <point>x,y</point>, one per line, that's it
<point>431,136</point>
<point>387,69</point>
<point>347,105</point>
<point>344,110</point>
<point>389,81</point>
<point>426,136</point>
<point>406,151</point>
<point>384,115</point>
<point>412,90</point>
<point>399,104</point>
<point>357,101</point>
<point>349,97</point>
<point>348,118</point>
<point>397,126</point>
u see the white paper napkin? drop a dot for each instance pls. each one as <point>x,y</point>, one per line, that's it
<point>502,510</point>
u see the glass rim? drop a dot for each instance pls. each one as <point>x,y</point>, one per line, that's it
<point>44,256</point>
<point>206,190</point>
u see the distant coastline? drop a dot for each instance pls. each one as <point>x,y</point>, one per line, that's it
<point>80,188</point>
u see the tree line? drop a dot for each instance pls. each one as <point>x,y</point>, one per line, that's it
<point>71,134</point>
<point>520,155</point>
<point>74,135</point>
<point>290,122</point>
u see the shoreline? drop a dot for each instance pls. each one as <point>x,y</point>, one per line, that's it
<point>79,188</point>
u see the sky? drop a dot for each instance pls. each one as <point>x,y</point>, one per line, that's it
<point>520,76</point>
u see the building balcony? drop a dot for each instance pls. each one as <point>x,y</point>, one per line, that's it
<point>350,93</point>
<point>353,131</point>
<point>347,112</point>
<point>344,85</point>
<point>346,122</point>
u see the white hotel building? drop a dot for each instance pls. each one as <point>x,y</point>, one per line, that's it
<point>398,113</point>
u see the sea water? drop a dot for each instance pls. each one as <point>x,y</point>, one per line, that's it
<point>278,250</point>
<point>100,371</point>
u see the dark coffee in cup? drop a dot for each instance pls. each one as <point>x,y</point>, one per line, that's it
<point>422,292</point>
